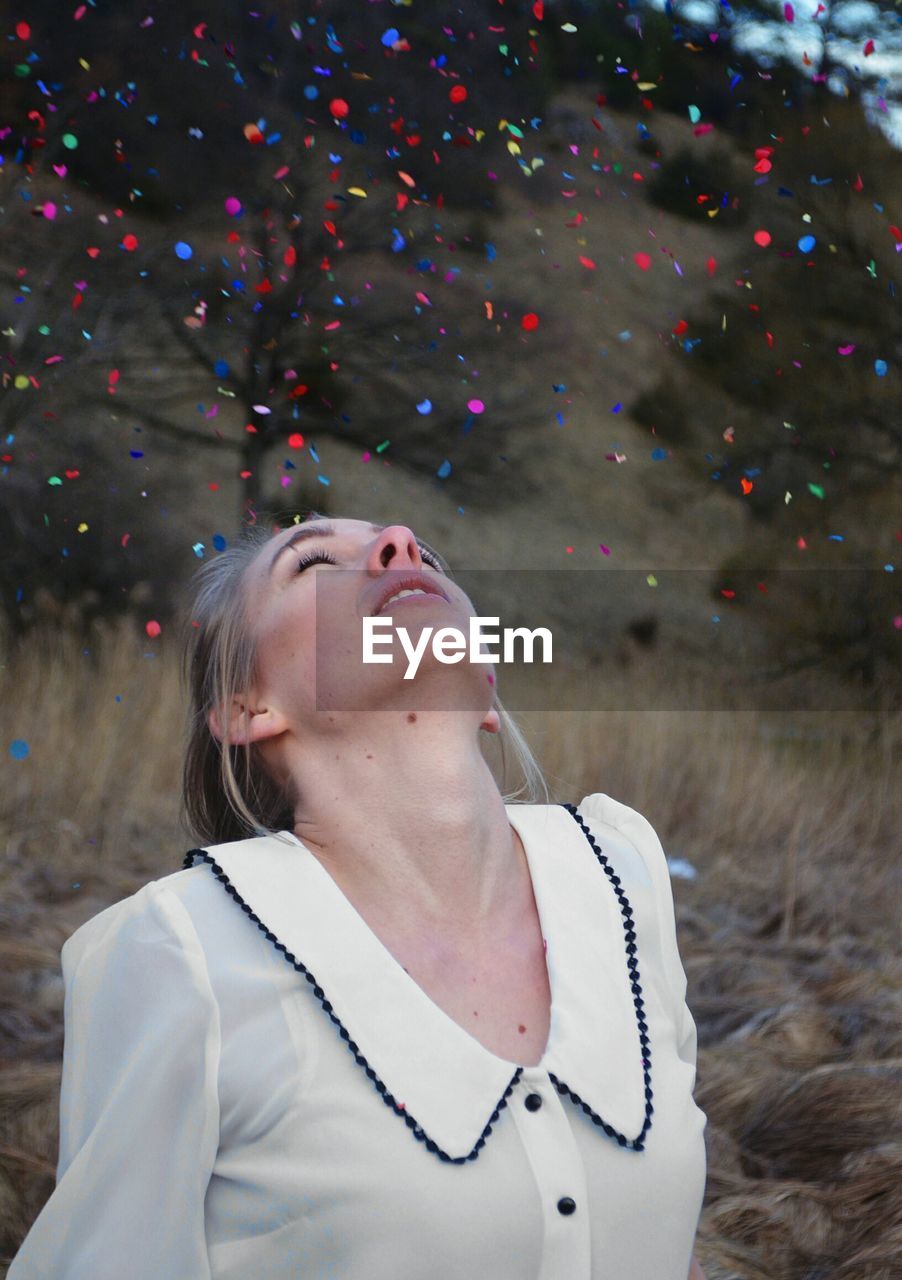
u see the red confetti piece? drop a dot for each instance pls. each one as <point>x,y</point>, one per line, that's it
<point>23,30</point>
<point>747,485</point>
<point>642,260</point>
<point>72,475</point>
<point>339,108</point>
<point>530,321</point>
<point>130,243</point>
<point>458,93</point>
<point>93,252</point>
<point>587,262</point>
<point>153,629</point>
<point>868,48</point>
<point>253,134</point>
<point>762,238</point>
<point>538,10</point>
<point>895,233</point>
<point>788,13</point>
<point>681,327</point>
<point>296,440</point>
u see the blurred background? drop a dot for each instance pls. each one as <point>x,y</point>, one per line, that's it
<point>595,286</point>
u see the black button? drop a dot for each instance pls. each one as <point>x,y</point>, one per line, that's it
<point>533,1102</point>
<point>566,1205</point>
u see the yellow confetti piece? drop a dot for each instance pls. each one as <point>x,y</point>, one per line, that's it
<point>82,528</point>
<point>83,63</point>
<point>357,191</point>
<point>646,85</point>
<point>21,382</point>
<point>480,134</point>
<point>513,147</point>
<point>651,580</point>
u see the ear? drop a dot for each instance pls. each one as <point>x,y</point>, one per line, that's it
<point>492,722</point>
<point>246,723</point>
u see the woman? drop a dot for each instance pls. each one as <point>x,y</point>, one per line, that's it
<point>405,1028</point>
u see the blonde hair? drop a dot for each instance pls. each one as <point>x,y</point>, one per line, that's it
<point>226,792</point>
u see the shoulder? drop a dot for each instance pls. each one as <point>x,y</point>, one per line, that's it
<point>631,842</point>
<point>153,915</point>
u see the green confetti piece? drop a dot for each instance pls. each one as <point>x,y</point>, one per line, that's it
<point>816,489</point>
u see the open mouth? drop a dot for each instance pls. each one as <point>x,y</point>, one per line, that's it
<point>413,587</point>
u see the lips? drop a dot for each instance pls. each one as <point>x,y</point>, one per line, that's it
<point>412,582</point>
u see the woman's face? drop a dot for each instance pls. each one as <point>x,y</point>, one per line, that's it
<point>307,593</point>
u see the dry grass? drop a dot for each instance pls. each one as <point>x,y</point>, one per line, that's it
<point>788,933</point>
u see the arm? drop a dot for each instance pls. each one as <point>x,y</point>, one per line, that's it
<point>695,1272</point>
<point>139,1113</point>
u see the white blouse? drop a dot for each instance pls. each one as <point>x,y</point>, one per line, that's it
<point>255,1089</point>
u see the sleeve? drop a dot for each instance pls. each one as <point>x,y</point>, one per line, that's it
<point>139,1110</point>
<point>642,836</point>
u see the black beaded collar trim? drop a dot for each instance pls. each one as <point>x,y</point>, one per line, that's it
<point>629,932</point>
<point>635,1144</point>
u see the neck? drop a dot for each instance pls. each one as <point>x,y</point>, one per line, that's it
<point>407,818</point>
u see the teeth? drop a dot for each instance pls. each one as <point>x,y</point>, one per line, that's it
<point>408,591</point>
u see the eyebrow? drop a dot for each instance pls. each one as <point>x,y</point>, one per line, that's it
<point>311,530</point>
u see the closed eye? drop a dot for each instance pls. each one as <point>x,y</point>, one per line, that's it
<point>314,557</point>
<point>323,557</point>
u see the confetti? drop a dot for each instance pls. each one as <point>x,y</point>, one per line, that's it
<point>19,749</point>
<point>153,629</point>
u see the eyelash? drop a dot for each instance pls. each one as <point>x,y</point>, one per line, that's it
<point>316,557</point>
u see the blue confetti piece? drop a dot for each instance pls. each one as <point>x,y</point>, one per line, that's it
<point>311,93</point>
<point>390,37</point>
<point>424,407</point>
<point>221,368</point>
<point>398,243</point>
<point>490,252</point>
<point>323,479</point>
<point>219,542</point>
<point>198,550</point>
<point>658,455</point>
<point>880,368</point>
<point>19,748</point>
<point>183,251</point>
<point>807,243</point>
<point>444,470</point>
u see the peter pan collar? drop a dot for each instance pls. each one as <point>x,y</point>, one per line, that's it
<point>449,1088</point>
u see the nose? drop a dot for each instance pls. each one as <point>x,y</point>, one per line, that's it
<point>395,548</point>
